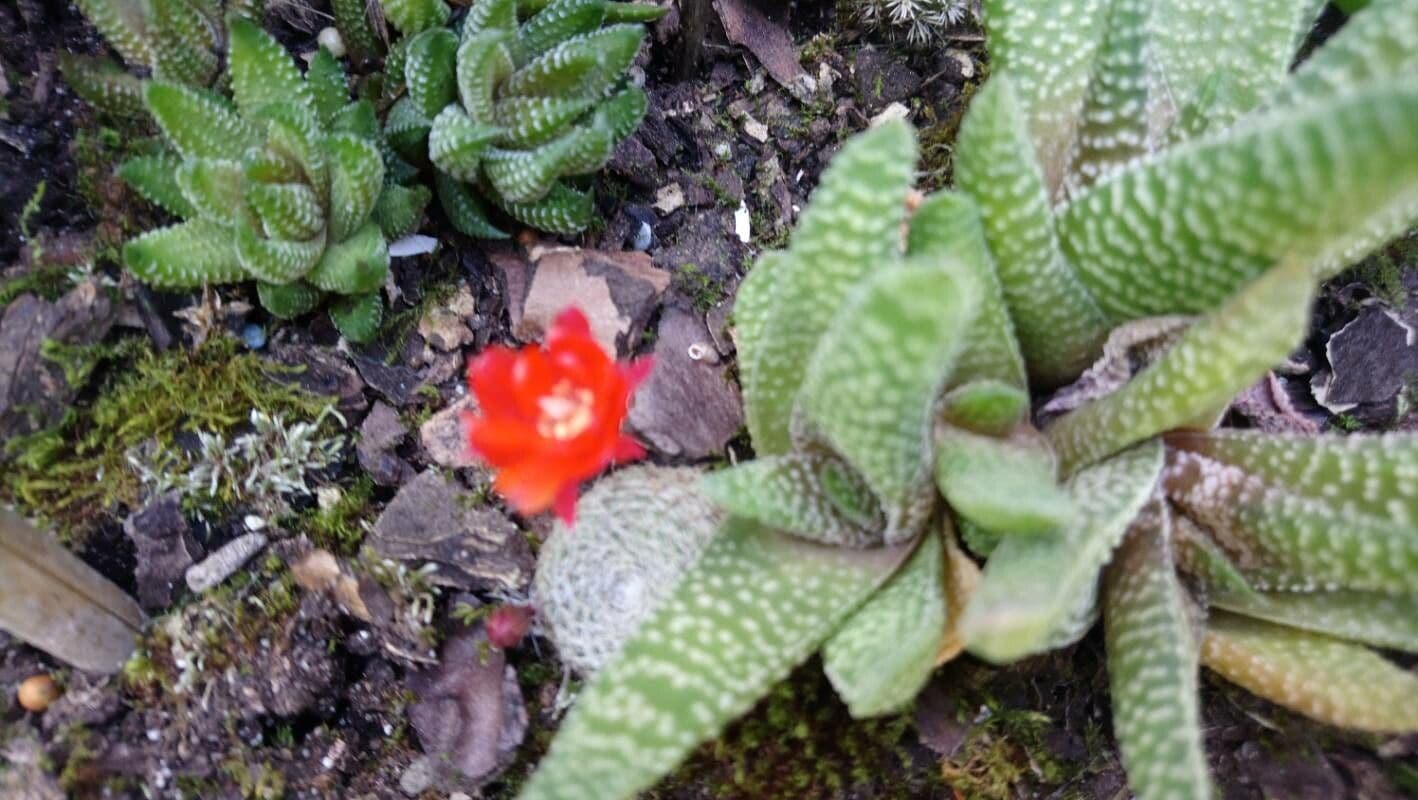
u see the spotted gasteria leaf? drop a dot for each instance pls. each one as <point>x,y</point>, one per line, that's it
<point>755,605</point>
<point>1328,679</point>
<point>1152,666</point>
<point>1366,617</point>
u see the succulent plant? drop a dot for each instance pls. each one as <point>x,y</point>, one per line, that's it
<point>509,110</point>
<point>1109,172</point>
<point>285,186</point>
<point>921,22</point>
<point>177,41</point>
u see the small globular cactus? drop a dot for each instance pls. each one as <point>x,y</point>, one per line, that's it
<point>638,531</point>
<point>285,186</point>
<point>509,110</point>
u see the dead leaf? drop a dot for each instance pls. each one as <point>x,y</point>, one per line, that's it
<point>962,578</point>
<point>767,39</point>
<point>55,602</point>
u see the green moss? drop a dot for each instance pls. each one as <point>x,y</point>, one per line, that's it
<point>703,291</point>
<point>340,528</point>
<point>77,472</point>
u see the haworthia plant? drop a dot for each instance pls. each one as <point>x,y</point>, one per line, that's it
<point>526,98</point>
<point>285,186</point>
<point>177,41</point>
<point>1110,170</point>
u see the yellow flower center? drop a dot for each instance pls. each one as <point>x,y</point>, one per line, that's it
<point>566,411</point>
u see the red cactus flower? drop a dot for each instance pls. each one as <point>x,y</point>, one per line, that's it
<point>506,626</point>
<point>551,416</point>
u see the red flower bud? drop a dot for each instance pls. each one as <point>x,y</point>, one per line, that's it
<point>506,626</point>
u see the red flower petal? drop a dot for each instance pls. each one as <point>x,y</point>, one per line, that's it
<point>565,504</point>
<point>569,324</point>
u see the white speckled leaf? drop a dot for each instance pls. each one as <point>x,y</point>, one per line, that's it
<point>198,124</point>
<point>1215,359</point>
<point>430,71</point>
<point>874,381</point>
<point>1319,185</point>
<point>988,407</point>
<point>1378,43</point>
<point>850,229</point>
<point>1152,667</point>
<point>1037,590</point>
<point>1004,485</point>
<point>1330,680</point>
<point>754,606</point>
<point>412,16</point>
<point>884,653</point>
<point>356,175</point>
<point>1060,329</point>
<point>261,71</point>
<point>1365,617</point>
<point>276,260</point>
<point>124,25</point>
<point>813,495</point>
<point>184,256</point>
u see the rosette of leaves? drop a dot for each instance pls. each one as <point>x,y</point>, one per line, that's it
<point>177,41</point>
<point>529,96</point>
<point>1100,186</point>
<point>285,186</point>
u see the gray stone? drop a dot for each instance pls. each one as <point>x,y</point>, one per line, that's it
<point>382,431</point>
<point>688,407</point>
<point>165,549</point>
<point>881,80</point>
<point>442,436</point>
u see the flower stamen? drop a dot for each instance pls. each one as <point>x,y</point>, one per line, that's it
<point>567,411</point>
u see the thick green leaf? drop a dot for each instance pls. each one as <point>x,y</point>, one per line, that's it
<point>457,144</point>
<point>287,300</point>
<point>155,178</point>
<point>559,21</point>
<point>1332,681</point>
<point>103,84</point>
<point>851,227</point>
<point>213,187</point>
<point>184,256</point>
<point>1004,485</point>
<point>585,65</point>
<point>1152,667</point>
<point>484,62</point>
<point>1317,185</point>
<point>986,407</point>
<point>406,129</point>
<point>261,71</point>
<point>329,89</point>
<point>355,266</point>
<point>754,606</point>
<point>124,24</point>
<point>429,71</point>
<point>492,16</point>
<point>399,209</point>
<point>524,176</point>
<point>352,21</point>
<point>357,318</point>
<point>286,210</point>
<point>1036,591</point>
<point>873,382</point>
<point>414,16</point>
<point>1374,619</point>
<point>184,43</point>
<point>1060,328</point>
<point>293,133</point>
<point>276,260</point>
<point>1378,44</point>
<point>816,496</point>
<point>882,656</point>
<point>356,178</point>
<point>564,210</point>
<point>464,209</point>
<point>199,124</point>
<point>1213,361</point>
<point>530,121</point>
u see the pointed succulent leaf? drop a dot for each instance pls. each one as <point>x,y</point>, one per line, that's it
<point>184,43</point>
<point>851,227</point>
<point>103,84</point>
<point>198,124</point>
<point>815,496</point>
<point>1115,121</point>
<point>752,316</point>
<point>1048,48</point>
<point>261,70</point>
<point>358,118</point>
<point>400,209</point>
<point>1270,529</point>
<point>948,224</point>
<point>1333,681</point>
<point>352,21</point>
<point>1198,555</point>
<point>357,318</point>
<point>124,24</point>
<point>583,65</point>
<point>464,209</point>
<point>704,657</point>
<point>407,129</point>
<point>292,133</point>
<point>633,12</point>
<point>530,121</point>
<point>356,178</point>
<point>264,165</point>
<point>622,112</point>
<point>1212,362</point>
<point>329,89</point>
<point>286,210</point>
<point>1005,485</point>
<point>430,71</point>
<point>1356,474</point>
<point>287,300</point>
<point>1366,617</point>
<point>1033,587</point>
<point>1152,667</point>
<point>213,187</point>
<point>184,256</point>
<point>523,176</point>
<point>872,385</point>
<point>564,210</point>
<point>559,21</point>
<point>991,408</point>
<point>1379,43</point>
<point>1059,327</point>
<point>411,17</point>
<point>155,178</point>
<point>1318,185</point>
<point>356,266</point>
<point>457,144</point>
<point>980,541</point>
<point>484,63</point>
<point>276,260</point>
<point>882,656</point>
<point>495,16</point>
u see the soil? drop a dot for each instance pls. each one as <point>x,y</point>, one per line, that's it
<point>313,701</point>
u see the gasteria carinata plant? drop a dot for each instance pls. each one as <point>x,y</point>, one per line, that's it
<point>509,111</point>
<point>178,41</point>
<point>286,187</point>
<point>1108,176</point>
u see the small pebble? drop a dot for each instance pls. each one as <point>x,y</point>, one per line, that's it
<point>329,39</point>
<point>643,237</point>
<point>37,693</point>
<point>253,335</point>
<point>222,563</point>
